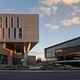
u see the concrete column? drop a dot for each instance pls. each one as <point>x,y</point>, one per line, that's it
<point>10,60</point>
<point>4,45</point>
<point>26,51</point>
<point>25,56</point>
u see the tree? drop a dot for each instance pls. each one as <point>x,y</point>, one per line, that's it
<point>38,60</point>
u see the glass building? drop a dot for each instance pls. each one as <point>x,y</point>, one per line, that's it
<point>68,50</point>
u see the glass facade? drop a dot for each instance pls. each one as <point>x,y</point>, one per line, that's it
<point>6,22</point>
<point>71,49</point>
<point>17,21</point>
<point>50,52</point>
<point>9,33</point>
<point>0,21</point>
<point>69,52</point>
<point>14,33</point>
<point>20,33</point>
<point>12,22</point>
<point>3,59</point>
<point>59,52</point>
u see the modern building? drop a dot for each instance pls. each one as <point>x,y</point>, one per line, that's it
<point>65,51</point>
<point>19,33</point>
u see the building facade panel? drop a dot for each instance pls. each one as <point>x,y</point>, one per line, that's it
<point>27,22</point>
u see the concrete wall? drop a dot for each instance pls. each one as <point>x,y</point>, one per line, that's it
<point>29,24</point>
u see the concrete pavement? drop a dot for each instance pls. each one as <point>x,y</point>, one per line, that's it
<point>39,75</point>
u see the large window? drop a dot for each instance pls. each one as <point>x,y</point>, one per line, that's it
<point>20,33</point>
<point>14,33</point>
<point>49,52</point>
<point>9,33</point>
<point>59,52</point>
<point>3,59</point>
<point>72,49</point>
<point>3,33</point>
<point>6,22</point>
<point>0,21</point>
<point>17,21</point>
<point>12,22</point>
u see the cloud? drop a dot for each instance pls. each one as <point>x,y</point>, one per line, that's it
<point>52,26</point>
<point>67,22</point>
<point>10,9</point>
<point>46,11</point>
<point>75,10</point>
<point>70,2</point>
<point>55,8</point>
<point>75,20</point>
<point>51,2</point>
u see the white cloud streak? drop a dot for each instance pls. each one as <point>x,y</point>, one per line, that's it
<point>46,11</point>
<point>10,9</point>
<point>70,2</point>
<point>74,20</point>
<point>52,26</point>
<point>51,2</point>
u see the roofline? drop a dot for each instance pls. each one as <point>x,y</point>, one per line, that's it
<point>20,13</point>
<point>63,42</point>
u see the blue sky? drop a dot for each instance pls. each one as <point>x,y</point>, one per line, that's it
<point>59,20</point>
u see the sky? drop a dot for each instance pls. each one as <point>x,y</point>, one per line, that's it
<point>59,20</point>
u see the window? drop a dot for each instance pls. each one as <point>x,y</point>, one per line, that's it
<point>12,22</point>
<point>3,59</point>
<point>1,44</point>
<point>17,21</point>
<point>3,33</point>
<point>9,33</point>
<point>14,33</point>
<point>0,21</point>
<point>6,22</point>
<point>20,33</point>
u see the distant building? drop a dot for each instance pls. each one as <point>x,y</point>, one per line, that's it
<point>31,60</point>
<point>68,50</point>
<point>19,33</point>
